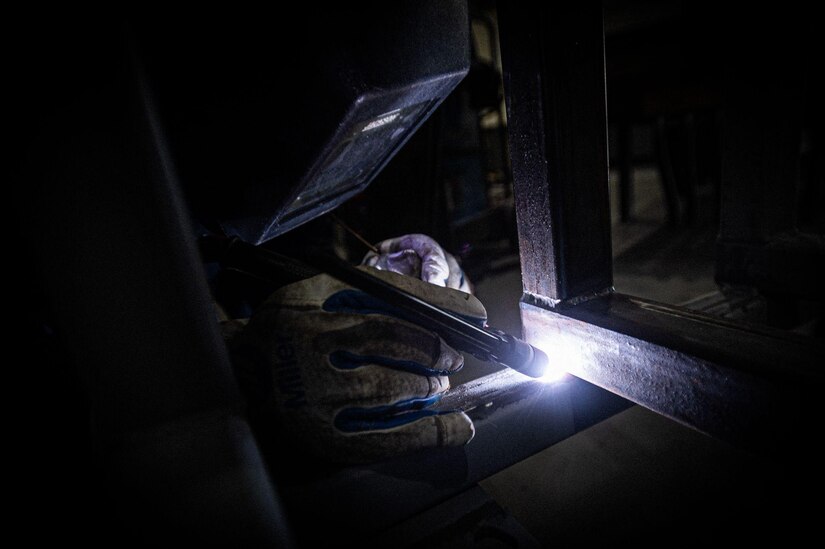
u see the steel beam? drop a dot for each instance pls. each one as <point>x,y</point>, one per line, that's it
<point>752,387</point>
<point>553,61</point>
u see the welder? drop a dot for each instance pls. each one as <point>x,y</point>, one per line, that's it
<point>263,149</point>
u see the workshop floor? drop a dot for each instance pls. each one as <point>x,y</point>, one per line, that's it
<point>635,474</point>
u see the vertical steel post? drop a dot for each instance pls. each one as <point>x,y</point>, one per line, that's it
<point>554,80</point>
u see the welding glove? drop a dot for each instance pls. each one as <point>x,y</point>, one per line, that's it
<point>352,379</point>
<point>419,256</point>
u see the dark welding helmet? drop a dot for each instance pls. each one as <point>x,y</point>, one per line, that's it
<point>273,120</point>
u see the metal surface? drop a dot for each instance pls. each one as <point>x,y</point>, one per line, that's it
<point>754,388</point>
<point>553,60</point>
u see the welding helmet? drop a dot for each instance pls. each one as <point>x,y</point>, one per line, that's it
<point>273,121</point>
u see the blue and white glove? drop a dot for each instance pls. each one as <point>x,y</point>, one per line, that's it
<point>419,256</point>
<point>351,379</point>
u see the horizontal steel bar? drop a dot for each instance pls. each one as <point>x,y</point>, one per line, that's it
<point>750,386</point>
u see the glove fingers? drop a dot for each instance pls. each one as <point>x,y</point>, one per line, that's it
<point>374,385</point>
<point>434,267</point>
<point>387,416</point>
<point>457,279</point>
<point>405,262</point>
<point>417,430</point>
<point>457,301</point>
<point>392,343</point>
<point>347,360</point>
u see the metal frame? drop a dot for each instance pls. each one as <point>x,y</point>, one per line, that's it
<point>749,386</point>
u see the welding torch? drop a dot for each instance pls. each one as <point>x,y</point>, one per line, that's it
<point>483,342</point>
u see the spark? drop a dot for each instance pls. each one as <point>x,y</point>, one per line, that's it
<point>564,353</point>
